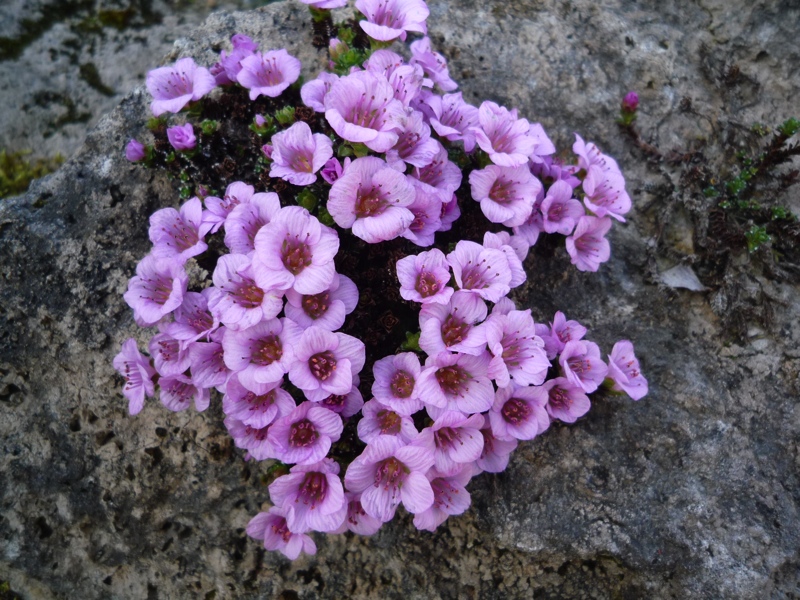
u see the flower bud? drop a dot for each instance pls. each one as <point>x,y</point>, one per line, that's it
<point>630,102</point>
<point>134,151</point>
<point>181,137</point>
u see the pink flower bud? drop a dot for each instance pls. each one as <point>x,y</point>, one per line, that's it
<point>181,137</point>
<point>630,102</point>
<point>134,151</point>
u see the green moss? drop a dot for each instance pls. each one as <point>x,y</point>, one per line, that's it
<point>17,171</point>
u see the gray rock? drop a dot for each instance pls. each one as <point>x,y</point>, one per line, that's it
<point>691,492</point>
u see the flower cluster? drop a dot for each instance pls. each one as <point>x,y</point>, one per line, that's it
<point>395,162</point>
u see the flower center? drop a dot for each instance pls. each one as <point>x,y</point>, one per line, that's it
<point>267,350</point>
<point>302,434</point>
<point>401,384</point>
<point>295,254</point>
<point>476,276</point>
<point>258,434</point>
<point>322,365</point>
<point>248,294</point>
<point>451,379</point>
<point>454,331</point>
<point>427,285</point>
<point>334,402</point>
<point>314,489</point>
<point>281,529</point>
<point>389,422</point>
<point>579,365</point>
<point>317,305</point>
<point>515,411</point>
<point>447,437</point>
<point>390,473</point>
<point>262,402</point>
<point>369,203</point>
<point>559,398</point>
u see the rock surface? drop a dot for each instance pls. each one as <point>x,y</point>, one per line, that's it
<point>691,492</point>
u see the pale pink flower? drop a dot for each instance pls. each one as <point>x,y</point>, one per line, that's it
<point>494,458</point>
<point>178,392</point>
<point>244,221</point>
<point>170,357</point>
<point>424,277</point>
<point>252,438</point>
<point>587,246</point>
<point>138,374</point>
<point>565,401</point>
<point>297,154</point>
<point>506,194</point>
<point>518,353</point>
<point>268,73</point>
<point>379,419</point>
<point>179,234</point>
<point>237,300</point>
<point>305,435</point>
<point>503,136</point>
<point>272,528</point>
<point>312,496</point>
<point>605,193</point>
<point>156,290</point>
<point>454,439</point>
<point>453,326</point>
<point>450,497</point>
<point>456,382</point>
<point>261,353</point>
<point>175,86</point>
<point>389,19</point>
<point>325,363</point>
<point>433,63</point>
<point>395,381</point>
<point>582,366</point>
<point>358,521</point>
<point>560,211</point>
<point>258,404</point>
<point>623,368</point>
<point>327,309</point>
<point>479,270</point>
<point>518,413</point>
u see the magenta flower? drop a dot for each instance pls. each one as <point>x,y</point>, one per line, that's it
<point>358,521</point>
<point>442,176</point>
<point>312,496</point>
<point>456,382</point>
<point>587,246</point>
<point>560,211</point>
<point>479,270</point>
<point>156,290</point>
<point>589,154</point>
<point>424,277</point>
<point>272,528</point>
<point>134,151</point>
<point>361,107</point>
<point>630,102</point>
<point>259,354</point>
<point>294,250</point>
<point>219,208</point>
<point>452,118</point>
<point>333,170</point>
<point>297,154</point>
<point>515,249</point>
<point>605,193</point>
<point>518,353</point>
<point>170,357</point>
<point>230,63</point>
<point>454,439</point>
<point>268,73</point>
<point>623,368</point>
<point>380,419</point>
<point>414,145</point>
<point>563,331</point>
<point>494,458</point>
<point>178,392</point>
<point>450,213</point>
<point>208,365</point>
<point>138,374</point>
<point>174,87</point>
<point>327,309</point>
<point>304,436</point>
<point>395,380</point>
<point>181,137</point>
<point>313,93</point>
<point>389,19</point>
<point>518,413</point>
<point>506,194</point>
<point>325,363</point>
<point>582,366</point>
<point>427,209</point>
<point>450,497</point>
<point>325,4</point>
<point>244,221</point>
<point>433,63</point>
<point>564,401</point>
<point>251,438</point>
<point>177,234</point>
<point>257,405</point>
<point>371,197</point>
<point>503,136</point>
<point>389,472</point>
<point>345,405</point>
<point>453,326</point>
<point>237,300</point>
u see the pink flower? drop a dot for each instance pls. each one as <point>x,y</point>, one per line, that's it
<point>259,354</point>
<point>424,277</point>
<point>427,209</point>
<point>450,497</point>
<point>325,4</point>
<point>313,93</point>
<point>272,528</point>
<point>178,392</point>
<point>442,176</point>
<point>156,290</point>
<point>174,87</point>
<point>414,145</point>
<point>304,436</point>
<point>565,401</point>
<point>452,118</point>
<point>181,137</point>
<point>208,365</point>
<point>433,63</point>
<point>138,374</point>
<point>312,496</point>
<point>395,381</point>
<point>494,458</point>
<point>563,331</point>
<point>268,73</point>
<point>623,368</point>
<point>389,472</point>
<point>515,249</point>
<point>605,193</point>
<point>560,211</point>
<point>177,234</point>
<point>503,136</point>
<point>518,353</point>
<point>479,270</point>
<point>298,154</point>
<point>456,382</point>
<point>453,326</point>
<point>587,246</point>
<point>257,405</point>
<point>325,363</point>
<point>251,438</point>
<point>170,357</point>
<point>294,250</point>
<point>244,221</point>
<point>506,194</point>
<point>229,65</point>
<point>134,151</point>
<point>361,107</point>
<point>454,439</point>
<point>237,300</point>
<point>327,309</point>
<point>345,405</point>
<point>589,154</point>
<point>518,413</point>
<point>192,318</point>
<point>371,197</point>
<point>389,19</point>
<point>219,208</point>
<point>358,521</point>
<point>380,419</point>
<point>582,366</point>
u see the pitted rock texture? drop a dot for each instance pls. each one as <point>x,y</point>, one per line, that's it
<point>691,492</point>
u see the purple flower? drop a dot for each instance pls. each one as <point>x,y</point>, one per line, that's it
<point>179,235</point>
<point>327,309</point>
<point>134,151</point>
<point>518,413</point>
<point>454,439</point>
<point>174,87</point>
<point>456,382</point>
<point>506,194</point>
<point>389,472</point>
<point>296,251</point>
<point>518,353</point>
<point>482,271</point>
<point>494,458</point>
<point>268,73</point>
<point>623,368</point>
<point>245,220</point>
<point>362,108</point>
<point>219,208</point>
<point>259,354</point>
<point>532,227</point>
<point>345,405</point>
<point>313,93</point>
<point>560,211</point>
<point>297,154</point>
<point>325,4</point>
<point>442,175</point>
<point>169,356</point>
<point>389,19</point>
<point>138,374</point>
<point>371,197</point>
<point>333,170</point>
<point>589,154</point>
<point>229,65</point>
<point>587,246</point>
<point>565,401</point>
<point>380,419</point>
<point>605,193</point>
<point>503,136</point>
<point>453,326</point>
<point>237,300</point>
<point>272,528</point>
<point>251,438</point>
<point>424,277</point>
<point>208,365</point>
<point>178,392</point>
<point>582,366</point>
<point>312,496</point>
<point>192,318</point>
<point>395,381</point>
<point>452,118</point>
<point>181,137</point>
<point>414,145</point>
<point>258,404</point>
<point>358,521</point>
<point>433,63</point>
<point>563,331</point>
<point>427,209</point>
<point>304,436</point>
<point>325,363</point>
<point>630,102</point>
<point>156,290</point>
<point>515,249</point>
<point>450,497</point>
